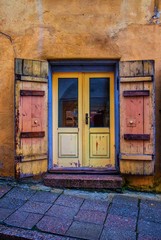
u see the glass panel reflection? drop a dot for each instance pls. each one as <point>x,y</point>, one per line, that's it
<point>68,102</point>
<point>99,102</point>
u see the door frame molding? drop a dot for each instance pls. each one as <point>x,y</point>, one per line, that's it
<point>84,66</point>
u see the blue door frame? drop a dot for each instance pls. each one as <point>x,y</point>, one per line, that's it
<point>83,66</point>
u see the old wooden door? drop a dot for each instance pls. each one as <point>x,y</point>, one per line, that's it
<point>137,117</point>
<point>83,120</point>
<point>31,96</point>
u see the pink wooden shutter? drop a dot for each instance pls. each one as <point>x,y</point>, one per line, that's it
<point>31,116</point>
<point>137,150</point>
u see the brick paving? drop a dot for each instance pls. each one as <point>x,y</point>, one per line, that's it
<point>30,212</point>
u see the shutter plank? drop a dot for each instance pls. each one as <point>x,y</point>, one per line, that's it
<point>136,68</point>
<point>27,67</point>
<point>132,167</point>
<point>137,137</point>
<point>44,69</point>
<point>36,68</point>
<point>136,79</point>
<point>136,93</point>
<point>32,134</point>
<point>18,66</point>
<point>137,167</point>
<point>32,93</point>
<point>136,157</point>
<point>148,68</point>
<point>33,79</point>
<point>124,69</point>
<point>149,119</point>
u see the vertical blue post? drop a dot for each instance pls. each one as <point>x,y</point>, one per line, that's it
<point>50,121</point>
<point>117,115</point>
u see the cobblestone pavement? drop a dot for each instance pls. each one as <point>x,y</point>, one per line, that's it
<point>33,211</point>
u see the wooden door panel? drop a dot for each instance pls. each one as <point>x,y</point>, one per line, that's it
<point>68,145</point>
<point>67,123</point>
<point>99,136</point>
<point>99,145</point>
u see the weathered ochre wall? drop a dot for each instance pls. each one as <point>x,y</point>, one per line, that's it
<point>54,29</point>
<point>6,107</point>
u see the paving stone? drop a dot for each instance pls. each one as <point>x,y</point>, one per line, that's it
<point>11,203</point>
<point>90,216</point>
<point>23,219</point>
<point>35,207</point>
<point>121,222</point>
<point>4,213</point>
<point>40,187</point>
<point>87,194</point>
<point>57,190</point>
<point>125,200</point>
<point>4,189</point>
<point>117,234</point>
<point>150,204</point>
<point>62,211</point>
<point>73,238</point>
<point>123,210</point>
<point>150,214</point>
<point>149,229</point>
<point>54,225</point>
<point>142,237</point>
<point>85,230</point>
<point>42,196</point>
<point>20,193</point>
<point>7,233</point>
<point>141,195</point>
<point>95,205</point>
<point>69,201</point>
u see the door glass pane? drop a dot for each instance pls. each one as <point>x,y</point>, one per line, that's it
<point>67,102</point>
<point>99,102</point>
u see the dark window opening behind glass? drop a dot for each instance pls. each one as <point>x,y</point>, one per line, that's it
<point>67,102</point>
<point>99,102</point>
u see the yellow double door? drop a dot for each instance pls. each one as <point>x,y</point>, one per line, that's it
<point>83,120</point>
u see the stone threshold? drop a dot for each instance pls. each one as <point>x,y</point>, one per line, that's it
<point>84,170</point>
<point>83,181</point>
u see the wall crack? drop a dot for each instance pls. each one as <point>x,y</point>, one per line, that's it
<point>11,41</point>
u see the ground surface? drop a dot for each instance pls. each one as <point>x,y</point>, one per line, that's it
<point>33,211</point>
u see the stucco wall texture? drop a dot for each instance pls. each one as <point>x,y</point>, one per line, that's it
<point>72,29</point>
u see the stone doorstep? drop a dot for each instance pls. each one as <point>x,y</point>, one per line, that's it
<point>83,181</point>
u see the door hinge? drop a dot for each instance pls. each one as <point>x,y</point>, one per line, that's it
<point>19,158</point>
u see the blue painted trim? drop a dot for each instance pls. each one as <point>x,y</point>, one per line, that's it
<point>84,66</point>
<point>50,120</point>
<point>73,62</point>
<point>117,115</point>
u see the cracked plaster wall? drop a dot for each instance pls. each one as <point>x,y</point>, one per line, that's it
<point>53,29</point>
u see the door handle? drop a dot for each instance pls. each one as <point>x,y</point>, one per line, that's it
<point>86,116</point>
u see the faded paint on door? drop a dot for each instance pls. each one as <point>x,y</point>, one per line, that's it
<point>83,120</point>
